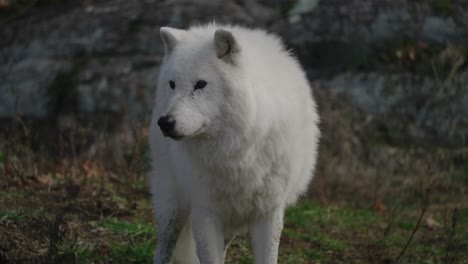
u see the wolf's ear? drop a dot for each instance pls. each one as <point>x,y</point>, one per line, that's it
<point>170,37</point>
<point>226,46</point>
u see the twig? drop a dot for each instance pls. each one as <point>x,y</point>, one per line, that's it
<point>390,224</point>
<point>424,206</point>
<point>450,236</point>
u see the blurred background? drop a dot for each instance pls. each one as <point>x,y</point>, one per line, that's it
<point>77,79</point>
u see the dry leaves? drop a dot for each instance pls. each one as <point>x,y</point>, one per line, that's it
<point>431,223</point>
<point>380,207</point>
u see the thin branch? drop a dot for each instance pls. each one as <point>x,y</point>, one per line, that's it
<point>450,236</point>
<point>424,206</point>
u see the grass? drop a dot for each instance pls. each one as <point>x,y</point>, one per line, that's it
<point>74,209</point>
<point>128,228</point>
<point>313,233</point>
<point>11,216</point>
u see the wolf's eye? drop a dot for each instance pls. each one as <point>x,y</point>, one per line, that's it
<point>172,84</point>
<point>200,85</point>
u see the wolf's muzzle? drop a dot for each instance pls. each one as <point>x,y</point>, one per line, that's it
<point>167,125</point>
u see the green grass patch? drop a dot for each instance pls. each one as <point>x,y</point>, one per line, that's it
<point>405,224</point>
<point>6,195</point>
<point>294,259</point>
<point>308,214</point>
<point>135,252</point>
<point>120,251</point>
<point>305,213</point>
<point>312,254</point>
<point>21,214</point>
<point>334,244</point>
<point>356,218</point>
<point>12,215</point>
<point>86,255</point>
<point>396,240</point>
<point>124,242</point>
<point>133,229</point>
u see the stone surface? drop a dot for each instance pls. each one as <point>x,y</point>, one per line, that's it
<point>102,57</point>
<point>418,101</point>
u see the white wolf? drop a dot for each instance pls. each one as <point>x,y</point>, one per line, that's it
<point>234,138</point>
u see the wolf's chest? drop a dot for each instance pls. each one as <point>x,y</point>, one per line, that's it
<point>245,190</point>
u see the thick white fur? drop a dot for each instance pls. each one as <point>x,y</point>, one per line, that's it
<point>249,143</point>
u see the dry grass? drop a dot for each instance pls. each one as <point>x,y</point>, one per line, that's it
<point>77,194</point>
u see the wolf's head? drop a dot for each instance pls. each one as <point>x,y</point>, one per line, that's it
<point>193,82</point>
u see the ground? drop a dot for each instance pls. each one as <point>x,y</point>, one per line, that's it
<point>73,188</point>
<point>68,209</point>
<point>51,225</point>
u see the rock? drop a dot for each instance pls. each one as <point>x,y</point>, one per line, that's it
<point>410,97</point>
<point>93,58</point>
<point>301,7</point>
<point>440,30</point>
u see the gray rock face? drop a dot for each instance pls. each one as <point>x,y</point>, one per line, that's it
<point>103,56</point>
<point>343,32</point>
<point>107,54</point>
<point>440,30</point>
<point>375,21</point>
<point>434,108</point>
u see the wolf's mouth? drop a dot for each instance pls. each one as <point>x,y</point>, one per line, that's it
<point>201,130</point>
<point>173,136</point>
<point>176,137</point>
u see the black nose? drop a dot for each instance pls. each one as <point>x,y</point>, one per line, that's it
<point>166,124</point>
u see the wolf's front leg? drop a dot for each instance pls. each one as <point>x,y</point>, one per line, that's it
<point>265,234</point>
<point>209,236</point>
<point>170,223</point>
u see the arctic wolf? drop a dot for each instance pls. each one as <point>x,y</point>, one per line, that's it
<point>234,138</point>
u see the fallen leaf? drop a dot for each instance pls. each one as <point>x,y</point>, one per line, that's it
<point>45,179</point>
<point>412,55</point>
<point>92,169</point>
<point>380,207</point>
<point>432,224</point>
